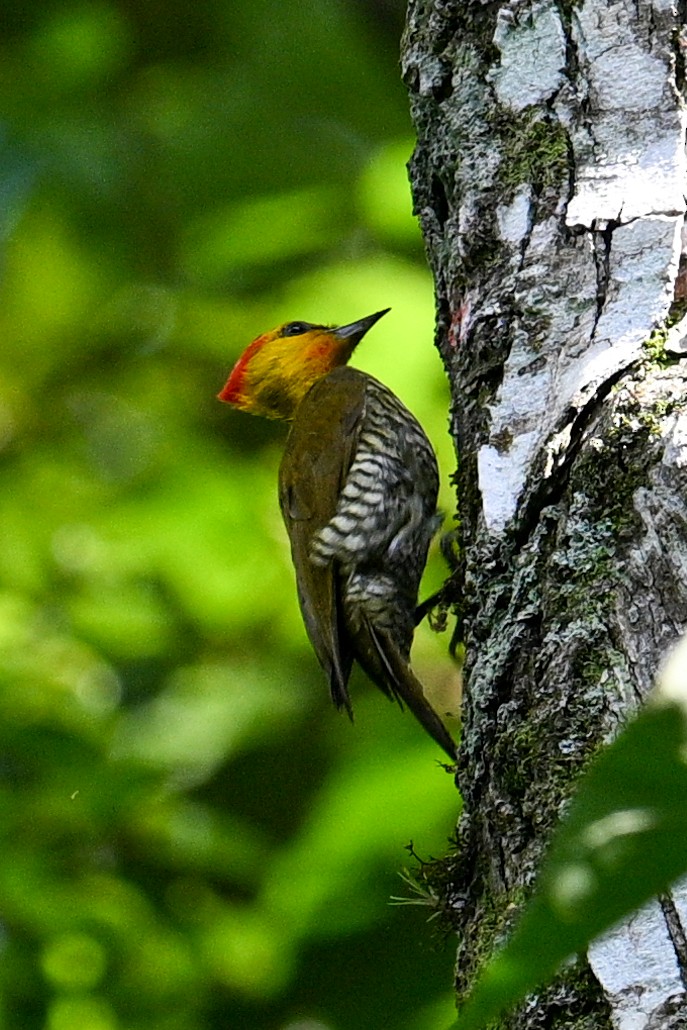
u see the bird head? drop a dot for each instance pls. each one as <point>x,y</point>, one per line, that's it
<point>277,369</point>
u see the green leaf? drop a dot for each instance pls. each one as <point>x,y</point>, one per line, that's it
<point>623,841</point>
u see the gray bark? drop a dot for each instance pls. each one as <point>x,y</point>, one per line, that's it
<point>549,179</point>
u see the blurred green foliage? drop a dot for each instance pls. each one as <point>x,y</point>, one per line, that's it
<point>191,837</point>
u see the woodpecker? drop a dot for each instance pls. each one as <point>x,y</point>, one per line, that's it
<point>358,486</point>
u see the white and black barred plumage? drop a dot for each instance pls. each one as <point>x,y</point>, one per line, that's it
<point>358,492</point>
<point>385,516</point>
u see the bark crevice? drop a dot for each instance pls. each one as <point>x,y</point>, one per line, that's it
<point>554,241</point>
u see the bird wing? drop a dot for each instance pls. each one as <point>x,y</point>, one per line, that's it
<point>319,452</point>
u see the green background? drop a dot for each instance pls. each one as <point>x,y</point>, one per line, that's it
<point>191,836</point>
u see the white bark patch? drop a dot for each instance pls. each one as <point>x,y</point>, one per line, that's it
<point>675,454</point>
<point>678,893</point>
<point>532,56</point>
<point>643,264</point>
<point>631,161</point>
<point>543,381</point>
<point>636,965</point>
<point>515,219</point>
<point>500,475</point>
<point>597,298</point>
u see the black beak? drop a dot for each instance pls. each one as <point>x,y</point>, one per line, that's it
<point>356,330</point>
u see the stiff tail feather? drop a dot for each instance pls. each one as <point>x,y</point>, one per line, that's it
<point>392,674</point>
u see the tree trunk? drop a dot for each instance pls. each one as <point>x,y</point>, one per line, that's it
<point>549,178</point>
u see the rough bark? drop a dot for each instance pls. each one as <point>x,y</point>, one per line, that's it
<point>549,179</point>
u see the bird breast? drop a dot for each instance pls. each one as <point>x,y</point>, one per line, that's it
<point>385,515</point>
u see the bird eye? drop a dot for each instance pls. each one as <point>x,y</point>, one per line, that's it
<point>295,328</point>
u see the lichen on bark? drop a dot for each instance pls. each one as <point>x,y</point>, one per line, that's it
<point>551,201</point>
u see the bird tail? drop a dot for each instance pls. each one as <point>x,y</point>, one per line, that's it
<point>385,665</point>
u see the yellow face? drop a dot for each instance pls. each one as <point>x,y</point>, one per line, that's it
<point>277,369</point>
